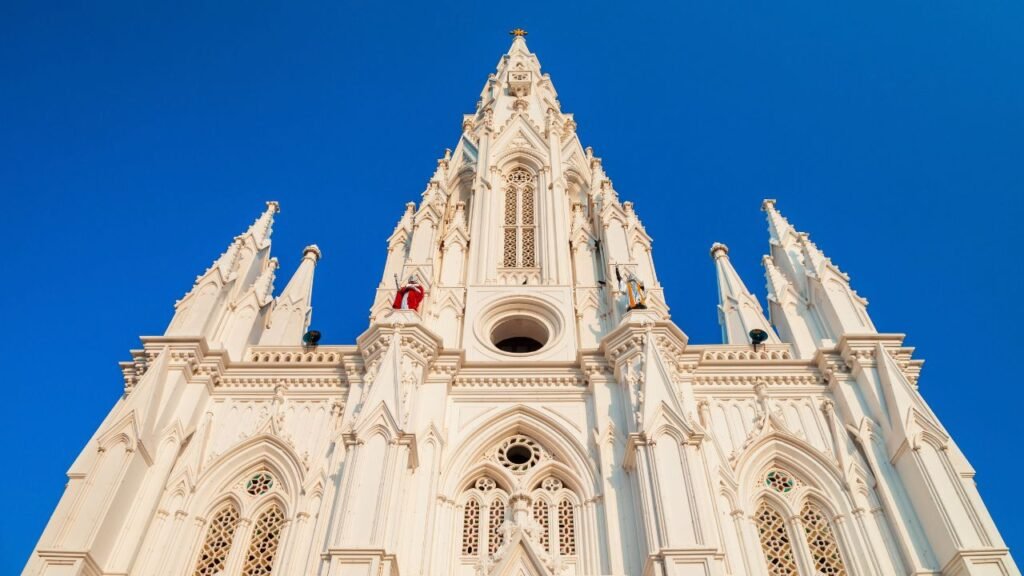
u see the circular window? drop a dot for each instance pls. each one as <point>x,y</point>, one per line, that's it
<point>519,453</point>
<point>519,335</point>
<point>259,484</point>
<point>518,326</point>
<point>778,481</point>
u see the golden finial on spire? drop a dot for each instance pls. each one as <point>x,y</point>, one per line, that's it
<point>518,32</point>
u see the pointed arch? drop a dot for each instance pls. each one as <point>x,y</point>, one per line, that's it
<point>794,479</point>
<point>544,427</point>
<point>378,421</point>
<point>264,540</point>
<point>821,539</point>
<point>124,431</point>
<point>519,218</point>
<point>795,455</point>
<point>776,541</point>
<point>502,477</point>
<point>218,540</point>
<point>260,452</point>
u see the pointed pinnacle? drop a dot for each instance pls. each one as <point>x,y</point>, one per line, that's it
<point>312,252</point>
<point>778,226</point>
<point>260,229</point>
<point>777,282</point>
<point>265,282</point>
<point>719,250</point>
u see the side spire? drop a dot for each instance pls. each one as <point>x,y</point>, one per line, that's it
<point>262,227</point>
<point>830,307</point>
<point>293,309</point>
<point>200,312</point>
<point>785,247</point>
<point>739,312</point>
<point>842,310</point>
<point>788,311</point>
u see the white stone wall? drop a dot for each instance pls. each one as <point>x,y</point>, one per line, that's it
<point>617,448</point>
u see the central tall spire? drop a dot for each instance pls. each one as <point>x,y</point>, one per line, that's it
<point>520,212</point>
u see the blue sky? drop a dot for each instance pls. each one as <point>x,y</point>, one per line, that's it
<point>136,138</point>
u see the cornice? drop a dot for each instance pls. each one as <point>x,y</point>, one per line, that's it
<point>319,355</point>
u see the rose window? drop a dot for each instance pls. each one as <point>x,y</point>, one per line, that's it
<point>779,481</point>
<point>259,484</point>
<point>519,453</point>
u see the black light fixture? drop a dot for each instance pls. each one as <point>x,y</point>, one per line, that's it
<point>311,338</point>
<point>758,336</point>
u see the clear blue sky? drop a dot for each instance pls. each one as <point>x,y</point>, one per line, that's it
<point>136,138</point>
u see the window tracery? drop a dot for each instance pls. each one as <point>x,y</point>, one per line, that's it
<point>259,484</point>
<point>542,515</point>
<point>775,542</point>
<point>812,526</point>
<point>566,528</point>
<point>266,535</point>
<point>519,247</point>
<point>551,505</point>
<point>519,453</point>
<point>821,541</point>
<point>779,481</point>
<point>217,543</point>
<point>471,528</point>
<point>496,517</point>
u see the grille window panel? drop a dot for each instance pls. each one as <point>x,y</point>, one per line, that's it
<point>775,542</point>
<point>217,544</point>
<point>266,535</point>
<point>471,528</point>
<point>520,231</point>
<point>822,542</point>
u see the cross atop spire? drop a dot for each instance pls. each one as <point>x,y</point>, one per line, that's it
<point>518,32</point>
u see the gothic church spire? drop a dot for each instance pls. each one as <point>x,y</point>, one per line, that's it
<point>739,312</point>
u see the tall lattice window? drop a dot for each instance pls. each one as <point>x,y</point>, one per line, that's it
<point>266,535</point>
<point>217,543</point>
<point>566,528</point>
<point>494,521</point>
<point>775,541</point>
<point>555,515</point>
<point>821,541</point>
<point>520,229</point>
<point>471,528</point>
<point>542,515</point>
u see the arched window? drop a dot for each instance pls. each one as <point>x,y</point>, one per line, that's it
<point>494,521</point>
<point>566,528</point>
<point>775,541</point>
<point>520,228</point>
<point>217,543</point>
<point>551,507</point>
<point>555,522</point>
<point>821,541</point>
<point>482,517</point>
<point>471,528</point>
<point>775,533</point>
<point>542,515</point>
<point>266,535</point>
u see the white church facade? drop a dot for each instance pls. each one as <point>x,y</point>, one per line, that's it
<point>521,404</point>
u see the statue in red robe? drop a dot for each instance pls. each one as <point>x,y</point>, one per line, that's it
<point>409,296</point>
